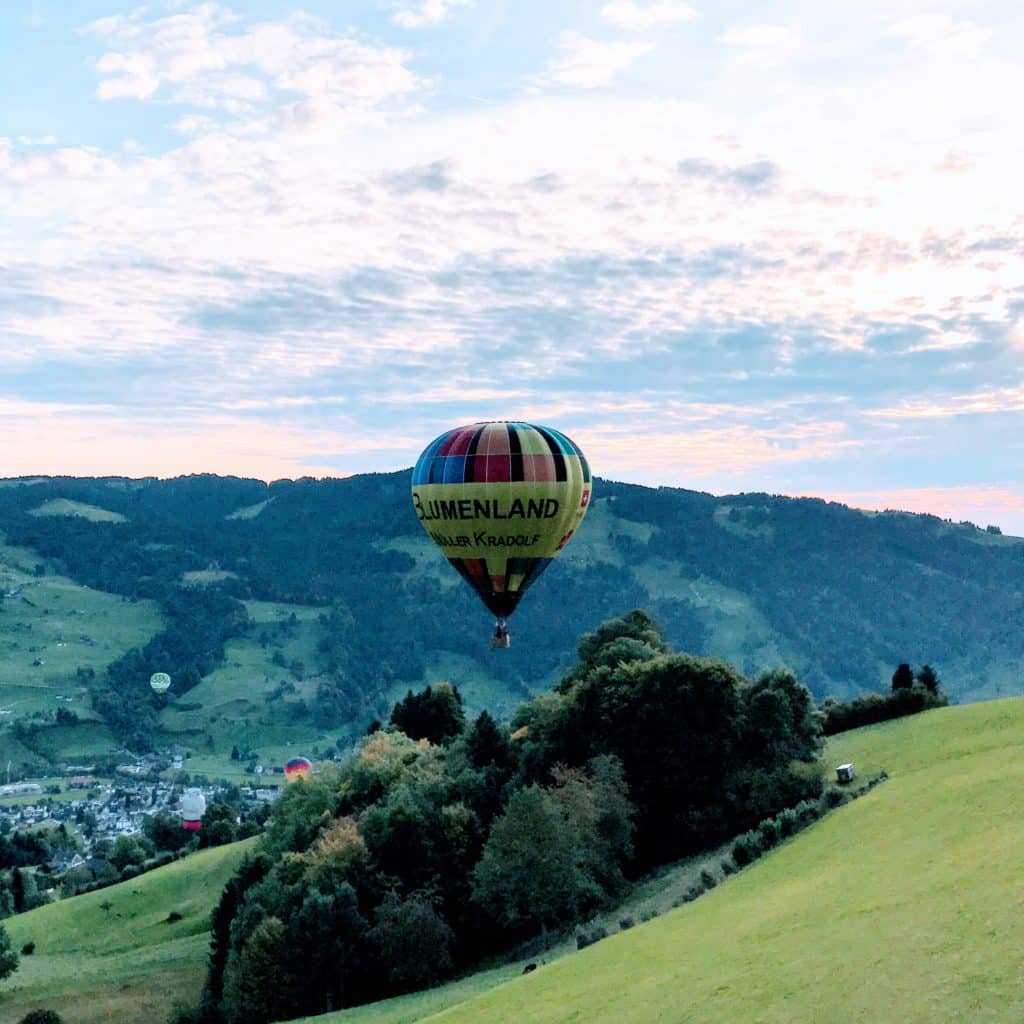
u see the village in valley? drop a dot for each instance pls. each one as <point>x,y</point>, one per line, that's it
<point>66,827</point>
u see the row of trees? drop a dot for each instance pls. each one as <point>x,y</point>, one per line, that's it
<point>442,841</point>
<point>912,692</point>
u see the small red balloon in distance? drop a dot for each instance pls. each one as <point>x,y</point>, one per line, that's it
<point>297,768</point>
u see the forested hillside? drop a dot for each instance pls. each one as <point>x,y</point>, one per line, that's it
<point>364,607</point>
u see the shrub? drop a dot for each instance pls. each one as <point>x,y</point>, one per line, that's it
<point>746,848</point>
<point>586,938</point>
<point>807,812</point>
<point>172,917</point>
<point>648,915</point>
<point>625,923</point>
<point>28,949</point>
<point>788,821</point>
<point>768,831</point>
<point>708,879</point>
<point>41,1017</point>
<point>728,866</point>
<point>831,799</point>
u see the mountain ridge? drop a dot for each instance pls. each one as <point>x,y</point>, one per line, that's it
<point>839,595</point>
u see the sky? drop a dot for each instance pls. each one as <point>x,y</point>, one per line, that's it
<point>732,247</point>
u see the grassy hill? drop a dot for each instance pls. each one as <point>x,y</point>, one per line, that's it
<point>111,957</point>
<point>838,595</point>
<point>902,906</point>
<point>50,627</point>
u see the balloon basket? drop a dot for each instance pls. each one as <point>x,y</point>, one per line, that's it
<point>501,638</point>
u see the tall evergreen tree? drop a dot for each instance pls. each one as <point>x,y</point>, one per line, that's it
<point>928,678</point>
<point>903,677</point>
<point>435,714</point>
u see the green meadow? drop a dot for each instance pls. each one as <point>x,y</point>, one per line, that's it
<point>247,701</point>
<point>51,626</point>
<point>903,906</point>
<point>112,957</point>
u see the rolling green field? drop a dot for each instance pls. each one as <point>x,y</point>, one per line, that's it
<point>66,507</point>
<point>904,906</point>
<point>246,701</point>
<point>111,957</point>
<point>51,626</point>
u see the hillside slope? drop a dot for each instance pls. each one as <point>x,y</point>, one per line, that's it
<point>111,956</point>
<point>838,594</point>
<point>904,906</point>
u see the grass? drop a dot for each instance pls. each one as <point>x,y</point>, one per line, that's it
<point>51,626</point>
<point>245,702</point>
<point>902,906</point>
<point>67,507</point>
<point>249,511</point>
<point>111,957</point>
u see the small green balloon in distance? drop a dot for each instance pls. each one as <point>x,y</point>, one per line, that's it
<point>160,682</point>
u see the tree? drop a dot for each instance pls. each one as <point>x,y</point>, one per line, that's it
<point>527,877</point>
<point>250,872</point>
<point>928,678</point>
<point>673,721</point>
<point>41,1017</point>
<point>486,744</point>
<point>630,637</point>
<point>903,677</point>
<point>8,955</point>
<point>780,723</point>
<point>24,892</point>
<point>165,832</point>
<point>413,938</point>
<point>435,715</point>
<point>262,987</point>
<point>596,809</point>
<point>219,826</point>
<point>127,850</point>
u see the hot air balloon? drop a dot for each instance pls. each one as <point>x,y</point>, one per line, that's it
<point>500,500</point>
<point>297,768</point>
<point>160,682</point>
<point>193,807</point>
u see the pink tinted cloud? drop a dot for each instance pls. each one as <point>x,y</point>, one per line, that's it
<point>59,441</point>
<point>1000,505</point>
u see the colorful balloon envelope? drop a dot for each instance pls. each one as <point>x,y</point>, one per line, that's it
<point>297,768</point>
<point>160,682</point>
<point>500,500</point>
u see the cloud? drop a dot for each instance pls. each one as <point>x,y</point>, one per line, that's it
<point>423,13</point>
<point>980,505</point>
<point>637,17</point>
<point>984,401</point>
<point>763,45</point>
<point>589,63</point>
<point>205,57</point>
<point>757,176</point>
<point>326,248</point>
<point>939,35</point>
<point>435,177</point>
